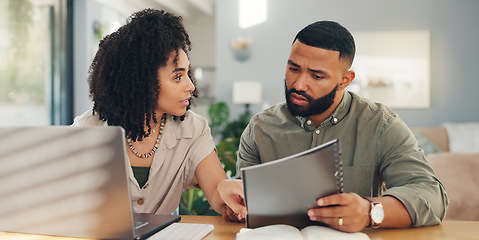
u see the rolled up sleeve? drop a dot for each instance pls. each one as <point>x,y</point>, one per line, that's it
<point>409,177</point>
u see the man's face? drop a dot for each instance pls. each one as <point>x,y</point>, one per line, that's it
<point>314,106</point>
<point>313,77</point>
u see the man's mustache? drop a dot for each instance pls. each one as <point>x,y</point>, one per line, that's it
<point>301,93</point>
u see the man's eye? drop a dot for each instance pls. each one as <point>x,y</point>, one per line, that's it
<point>293,69</point>
<point>317,77</point>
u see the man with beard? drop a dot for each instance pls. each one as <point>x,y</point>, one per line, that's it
<point>384,170</point>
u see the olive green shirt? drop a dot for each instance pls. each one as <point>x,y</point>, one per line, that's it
<point>379,153</point>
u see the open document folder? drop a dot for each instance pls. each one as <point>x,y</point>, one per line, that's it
<point>285,232</point>
<point>282,191</point>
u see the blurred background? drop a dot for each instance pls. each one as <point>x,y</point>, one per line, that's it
<point>46,47</point>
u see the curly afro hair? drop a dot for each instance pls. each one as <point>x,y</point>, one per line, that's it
<point>123,75</point>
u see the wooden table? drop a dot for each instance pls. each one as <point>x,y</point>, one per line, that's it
<point>448,230</point>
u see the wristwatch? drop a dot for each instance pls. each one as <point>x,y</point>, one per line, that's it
<point>376,213</point>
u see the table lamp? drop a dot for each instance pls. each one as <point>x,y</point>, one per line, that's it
<point>247,92</point>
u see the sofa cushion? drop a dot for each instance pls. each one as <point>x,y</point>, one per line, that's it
<point>463,137</point>
<point>425,144</point>
<point>436,135</point>
<point>459,174</point>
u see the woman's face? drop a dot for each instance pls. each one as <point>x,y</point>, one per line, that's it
<point>175,85</point>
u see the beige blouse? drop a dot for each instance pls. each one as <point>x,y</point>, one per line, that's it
<point>183,146</point>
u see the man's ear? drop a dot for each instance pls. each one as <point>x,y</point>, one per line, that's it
<point>347,79</point>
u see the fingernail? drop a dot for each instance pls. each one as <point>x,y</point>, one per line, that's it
<point>320,202</point>
<point>310,213</point>
<point>313,218</point>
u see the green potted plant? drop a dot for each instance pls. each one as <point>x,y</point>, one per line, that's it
<point>193,201</point>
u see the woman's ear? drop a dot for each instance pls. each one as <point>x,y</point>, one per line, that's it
<point>347,79</point>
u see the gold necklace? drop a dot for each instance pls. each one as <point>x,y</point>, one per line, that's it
<point>157,144</point>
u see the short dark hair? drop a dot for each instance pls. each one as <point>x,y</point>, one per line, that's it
<point>329,35</point>
<point>123,76</point>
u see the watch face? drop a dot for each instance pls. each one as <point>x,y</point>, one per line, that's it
<point>377,214</point>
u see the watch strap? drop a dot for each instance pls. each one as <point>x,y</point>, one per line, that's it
<point>373,203</point>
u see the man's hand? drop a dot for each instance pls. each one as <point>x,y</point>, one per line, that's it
<point>232,193</point>
<point>347,212</point>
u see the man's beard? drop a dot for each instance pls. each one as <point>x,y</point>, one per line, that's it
<point>315,106</point>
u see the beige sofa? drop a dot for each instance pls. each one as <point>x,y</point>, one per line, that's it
<point>457,171</point>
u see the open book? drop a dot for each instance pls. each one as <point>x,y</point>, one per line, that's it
<point>282,191</point>
<point>286,232</point>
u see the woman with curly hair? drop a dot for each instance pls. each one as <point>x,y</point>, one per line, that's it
<point>140,80</point>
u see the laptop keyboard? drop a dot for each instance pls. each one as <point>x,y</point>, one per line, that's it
<point>183,231</point>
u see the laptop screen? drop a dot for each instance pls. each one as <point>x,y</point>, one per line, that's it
<point>67,181</point>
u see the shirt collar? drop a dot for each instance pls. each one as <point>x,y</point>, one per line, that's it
<point>338,114</point>
<point>175,130</point>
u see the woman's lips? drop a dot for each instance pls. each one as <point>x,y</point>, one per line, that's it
<point>185,102</point>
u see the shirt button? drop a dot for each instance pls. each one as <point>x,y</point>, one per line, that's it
<point>335,120</point>
<point>308,122</point>
<point>140,201</point>
<point>317,131</point>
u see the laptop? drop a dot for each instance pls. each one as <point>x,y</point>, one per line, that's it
<point>70,181</point>
<point>282,191</point>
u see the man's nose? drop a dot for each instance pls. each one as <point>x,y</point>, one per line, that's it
<point>301,83</point>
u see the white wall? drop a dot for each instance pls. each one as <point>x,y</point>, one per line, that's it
<point>454,50</point>
<point>203,53</point>
<point>85,47</point>
<point>81,34</point>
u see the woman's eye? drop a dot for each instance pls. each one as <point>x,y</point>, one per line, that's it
<point>178,78</point>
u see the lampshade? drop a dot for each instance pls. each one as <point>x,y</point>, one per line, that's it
<point>247,92</point>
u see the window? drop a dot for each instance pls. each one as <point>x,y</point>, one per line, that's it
<point>34,68</point>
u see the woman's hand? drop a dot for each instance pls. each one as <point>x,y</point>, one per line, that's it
<point>229,215</point>
<point>232,193</point>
